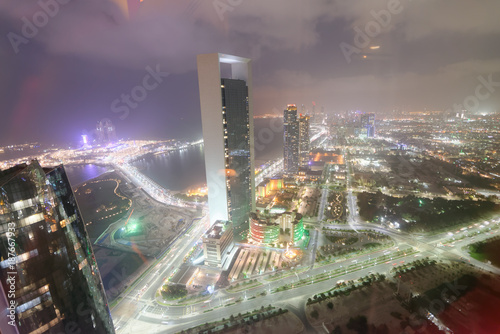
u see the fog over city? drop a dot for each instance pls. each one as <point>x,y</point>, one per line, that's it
<point>66,73</point>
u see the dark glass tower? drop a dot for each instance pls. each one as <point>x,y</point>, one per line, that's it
<point>291,140</point>
<point>237,147</point>
<point>48,270</point>
<point>368,125</point>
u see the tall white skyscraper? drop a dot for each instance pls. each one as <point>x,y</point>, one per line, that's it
<point>227,120</point>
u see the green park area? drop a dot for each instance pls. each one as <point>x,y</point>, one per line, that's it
<point>486,250</point>
<point>414,214</point>
<point>346,243</point>
<point>173,292</point>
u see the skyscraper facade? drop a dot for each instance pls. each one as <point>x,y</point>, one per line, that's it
<point>304,143</point>
<point>105,131</point>
<point>50,279</point>
<point>291,137</point>
<point>368,125</point>
<point>227,121</point>
<point>217,243</point>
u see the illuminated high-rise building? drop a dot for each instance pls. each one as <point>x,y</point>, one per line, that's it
<point>368,125</point>
<point>304,142</point>
<point>291,138</point>
<point>227,121</point>
<point>105,132</point>
<point>109,130</point>
<point>49,276</point>
<point>99,135</point>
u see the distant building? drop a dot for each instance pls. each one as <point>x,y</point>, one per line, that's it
<point>330,157</point>
<point>291,138</point>
<point>266,187</point>
<point>304,140</point>
<point>227,121</point>
<point>218,243</point>
<point>309,175</point>
<point>46,250</point>
<point>273,229</point>
<point>105,132</point>
<point>368,125</point>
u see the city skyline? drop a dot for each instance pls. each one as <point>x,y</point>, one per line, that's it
<point>407,68</point>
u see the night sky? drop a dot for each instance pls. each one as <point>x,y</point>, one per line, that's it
<point>59,81</point>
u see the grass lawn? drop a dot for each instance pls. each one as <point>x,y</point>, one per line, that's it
<point>489,251</point>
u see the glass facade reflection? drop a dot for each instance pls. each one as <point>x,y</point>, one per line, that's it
<point>237,148</point>
<point>304,141</point>
<point>44,246</point>
<point>291,140</point>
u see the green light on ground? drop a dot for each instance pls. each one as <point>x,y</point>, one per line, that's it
<point>132,227</point>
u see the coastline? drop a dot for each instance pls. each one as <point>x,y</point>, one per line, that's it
<point>127,258</point>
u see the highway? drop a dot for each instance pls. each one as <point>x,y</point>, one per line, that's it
<point>177,318</point>
<point>143,292</point>
<point>352,207</point>
<point>159,319</point>
<point>150,187</point>
<point>322,204</point>
<point>274,168</point>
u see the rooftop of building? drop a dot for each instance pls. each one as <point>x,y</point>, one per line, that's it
<point>264,201</point>
<point>217,229</point>
<point>8,174</point>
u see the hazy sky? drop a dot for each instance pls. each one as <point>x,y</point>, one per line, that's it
<point>60,78</point>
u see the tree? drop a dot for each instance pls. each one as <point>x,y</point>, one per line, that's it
<point>315,314</point>
<point>330,305</point>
